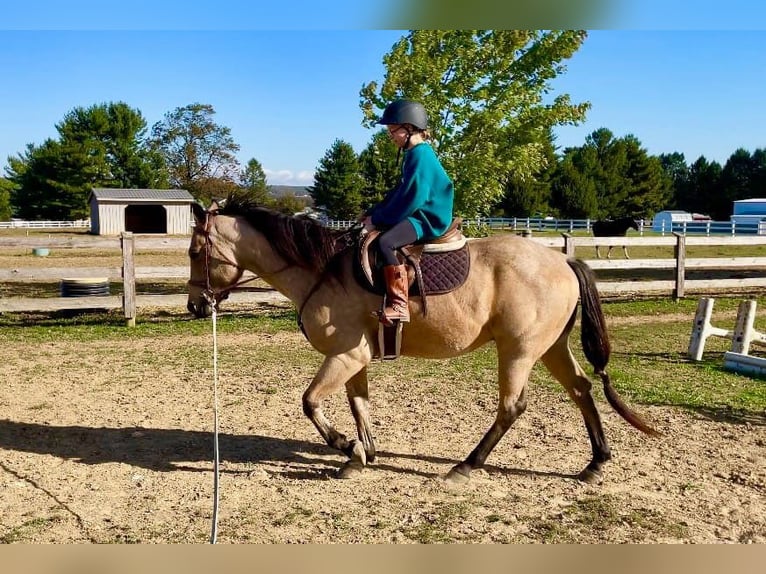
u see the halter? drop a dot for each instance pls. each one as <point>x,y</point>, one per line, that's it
<point>215,296</point>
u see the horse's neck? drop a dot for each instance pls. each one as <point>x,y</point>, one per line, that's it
<point>255,253</point>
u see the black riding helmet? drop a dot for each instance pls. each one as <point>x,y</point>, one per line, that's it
<point>405,112</point>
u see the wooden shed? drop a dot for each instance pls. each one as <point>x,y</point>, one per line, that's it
<point>113,211</point>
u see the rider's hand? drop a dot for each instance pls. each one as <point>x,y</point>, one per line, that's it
<point>367,222</point>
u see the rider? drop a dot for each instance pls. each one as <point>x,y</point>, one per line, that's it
<point>419,208</point>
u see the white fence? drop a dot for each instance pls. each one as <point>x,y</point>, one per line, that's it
<point>706,228</point>
<point>21,224</point>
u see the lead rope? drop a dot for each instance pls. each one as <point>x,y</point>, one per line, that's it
<point>214,532</point>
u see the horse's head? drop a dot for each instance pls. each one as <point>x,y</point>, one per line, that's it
<point>213,268</point>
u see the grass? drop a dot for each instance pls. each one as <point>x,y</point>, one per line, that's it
<point>649,361</point>
<point>607,514</point>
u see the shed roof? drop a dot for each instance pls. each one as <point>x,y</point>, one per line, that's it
<point>155,195</point>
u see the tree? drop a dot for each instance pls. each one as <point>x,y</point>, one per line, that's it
<point>486,94</point>
<point>379,167</point>
<point>253,181</point>
<point>338,184</point>
<point>704,185</point>
<point>674,166</point>
<point>6,186</point>
<point>196,149</point>
<point>625,179</point>
<point>100,146</point>
<point>112,139</point>
<point>290,204</point>
<point>738,180</point>
<point>526,197</point>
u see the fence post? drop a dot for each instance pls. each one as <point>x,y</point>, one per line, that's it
<point>128,278</point>
<point>680,253</point>
<point>569,245</point>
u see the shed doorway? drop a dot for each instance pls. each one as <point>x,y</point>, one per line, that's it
<point>146,219</point>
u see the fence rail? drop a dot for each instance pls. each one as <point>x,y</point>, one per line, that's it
<point>503,223</point>
<point>21,224</point>
<point>677,287</point>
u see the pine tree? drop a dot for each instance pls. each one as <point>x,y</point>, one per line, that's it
<point>338,183</point>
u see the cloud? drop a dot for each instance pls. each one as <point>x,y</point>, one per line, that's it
<point>288,177</point>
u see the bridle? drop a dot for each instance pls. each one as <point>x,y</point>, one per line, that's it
<point>215,296</point>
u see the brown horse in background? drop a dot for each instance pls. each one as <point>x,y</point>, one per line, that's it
<point>613,228</point>
<point>520,295</point>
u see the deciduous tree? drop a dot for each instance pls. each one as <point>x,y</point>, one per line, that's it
<point>487,95</point>
<point>196,149</point>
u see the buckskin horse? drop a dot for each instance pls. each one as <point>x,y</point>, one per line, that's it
<point>613,228</point>
<point>519,294</point>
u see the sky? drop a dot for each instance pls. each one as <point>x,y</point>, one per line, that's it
<point>289,87</point>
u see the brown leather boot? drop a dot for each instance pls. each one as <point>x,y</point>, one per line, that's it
<point>396,308</point>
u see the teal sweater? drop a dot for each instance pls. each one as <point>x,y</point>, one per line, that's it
<point>425,195</point>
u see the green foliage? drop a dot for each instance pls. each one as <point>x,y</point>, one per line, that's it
<point>485,95</point>
<point>473,228</point>
<point>6,186</point>
<point>610,177</point>
<point>196,150</point>
<point>704,188</point>
<point>253,181</point>
<point>338,183</point>
<point>289,204</point>
<point>674,166</point>
<point>100,146</point>
<point>525,197</point>
<point>379,167</point>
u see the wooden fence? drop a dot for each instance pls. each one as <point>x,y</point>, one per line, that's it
<point>677,266</point>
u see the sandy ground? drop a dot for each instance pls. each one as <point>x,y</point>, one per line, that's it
<point>103,441</point>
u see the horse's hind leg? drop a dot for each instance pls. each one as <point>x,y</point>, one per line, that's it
<point>513,377</point>
<point>562,365</point>
<point>625,251</point>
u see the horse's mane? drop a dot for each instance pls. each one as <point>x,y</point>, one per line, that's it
<point>299,240</point>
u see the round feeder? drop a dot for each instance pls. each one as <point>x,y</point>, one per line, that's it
<point>85,287</point>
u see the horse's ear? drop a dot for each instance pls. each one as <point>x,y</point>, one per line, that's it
<point>199,213</point>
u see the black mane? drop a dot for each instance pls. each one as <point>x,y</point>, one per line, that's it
<point>300,241</point>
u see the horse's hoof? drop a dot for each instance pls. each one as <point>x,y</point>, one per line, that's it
<point>456,478</point>
<point>351,469</point>
<point>590,476</point>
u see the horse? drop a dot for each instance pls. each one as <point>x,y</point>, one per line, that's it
<point>519,294</point>
<point>613,228</point>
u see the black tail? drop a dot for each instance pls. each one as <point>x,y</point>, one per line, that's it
<point>595,342</point>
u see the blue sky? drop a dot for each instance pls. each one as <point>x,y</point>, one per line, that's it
<point>288,94</point>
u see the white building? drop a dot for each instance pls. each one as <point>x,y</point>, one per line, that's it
<point>113,211</point>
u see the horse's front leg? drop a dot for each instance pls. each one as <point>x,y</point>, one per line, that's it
<point>335,371</point>
<point>625,251</point>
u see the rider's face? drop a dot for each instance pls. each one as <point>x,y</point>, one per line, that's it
<point>398,133</point>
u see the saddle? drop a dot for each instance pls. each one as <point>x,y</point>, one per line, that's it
<point>434,266</point>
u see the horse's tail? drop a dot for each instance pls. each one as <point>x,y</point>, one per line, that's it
<point>595,342</point>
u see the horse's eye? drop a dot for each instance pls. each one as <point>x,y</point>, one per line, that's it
<point>193,255</point>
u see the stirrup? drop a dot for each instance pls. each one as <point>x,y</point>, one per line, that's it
<point>390,340</point>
